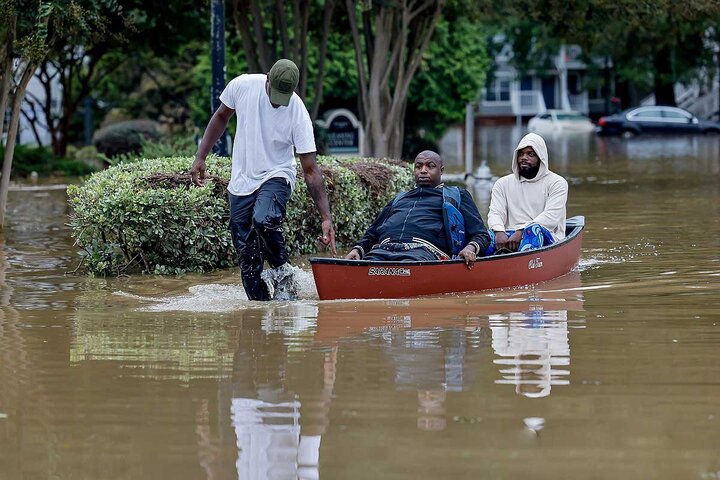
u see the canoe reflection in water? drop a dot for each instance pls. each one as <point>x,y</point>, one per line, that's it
<point>284,369</point>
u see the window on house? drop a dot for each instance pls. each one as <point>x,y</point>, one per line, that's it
<point>573,83</point>
<point>504,90</point>
<point>498,90</point>
<point>490,95</point>
<point>596,93</point>
<point>526,83</point>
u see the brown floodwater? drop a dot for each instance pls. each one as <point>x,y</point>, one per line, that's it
<point>612,371</point>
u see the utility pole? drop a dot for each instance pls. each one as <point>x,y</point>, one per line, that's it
<point>217,51</point>
<point>469,137</point>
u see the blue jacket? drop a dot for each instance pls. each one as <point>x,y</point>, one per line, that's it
<point>419,215</point>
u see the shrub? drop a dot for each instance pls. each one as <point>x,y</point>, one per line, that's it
<point>125,137</point>
<point>88,155</point>
<point>28,159</point>
<point>184,146</point>
<point>146,215</point>
<point>164,147</point>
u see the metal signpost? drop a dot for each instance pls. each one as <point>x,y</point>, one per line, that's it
<point>217,48</point>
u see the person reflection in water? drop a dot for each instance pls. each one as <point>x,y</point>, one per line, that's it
<point>280,415</point>
<point>531,346</point>
<point>431,363</point>
<point>431,410</point>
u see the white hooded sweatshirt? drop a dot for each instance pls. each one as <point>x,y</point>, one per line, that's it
<point>517,202</point>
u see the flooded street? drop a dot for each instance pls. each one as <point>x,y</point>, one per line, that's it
<point>608,372</point>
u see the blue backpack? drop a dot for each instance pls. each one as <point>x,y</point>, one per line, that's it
<point>452,218</point>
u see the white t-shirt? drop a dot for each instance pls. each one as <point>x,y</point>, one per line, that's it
<point>265,136</point>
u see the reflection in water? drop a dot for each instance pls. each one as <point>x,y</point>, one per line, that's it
<point>435,346</point>
<point>278,419</point>
<point>294,320</point>
<point>268,436</point>
<point>654,148</point>
<point>532,345</point>
<point>178,345</point>
<point>280,413</point>
<point>431,362</point>
<point>99,385</point>
<point>166,347</point>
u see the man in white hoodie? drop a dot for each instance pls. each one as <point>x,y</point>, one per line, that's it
<point>527,207</point>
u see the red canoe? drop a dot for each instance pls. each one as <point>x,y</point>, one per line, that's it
<point>339,278</point>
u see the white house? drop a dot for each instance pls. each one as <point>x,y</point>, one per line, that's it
<point>509,96</point>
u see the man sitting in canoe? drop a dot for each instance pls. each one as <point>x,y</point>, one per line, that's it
<point>413,226</point>
<point>527,207</point>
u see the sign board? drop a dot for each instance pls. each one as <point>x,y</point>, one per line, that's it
<point>343,132</point>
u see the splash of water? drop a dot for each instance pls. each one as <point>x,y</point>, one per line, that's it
<point>289,283</point>
<point>213,298</point>
<point>223,298</point>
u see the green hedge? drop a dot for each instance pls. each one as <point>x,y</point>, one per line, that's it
<point>27,159</point>
<point>146,216</point>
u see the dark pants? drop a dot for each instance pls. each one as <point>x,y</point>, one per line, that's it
<point>256,227</point>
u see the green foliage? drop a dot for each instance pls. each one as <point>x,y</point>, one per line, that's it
<point>180,146</point>
<point>198,99</point>
<point>28,159</point>
<point>451,74</point>
<point>340,83</point>
<point>124,222</point>
<point>650,43</point>
<point>122,53</point>
<point>32,32</point>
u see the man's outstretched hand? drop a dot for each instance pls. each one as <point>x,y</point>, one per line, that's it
<point>328,236</point>
<point>468,254</point>
<point>197,172</point>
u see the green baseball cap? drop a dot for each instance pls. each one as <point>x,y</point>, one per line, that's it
<point>283,77</point>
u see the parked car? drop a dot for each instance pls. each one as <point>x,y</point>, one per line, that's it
<point>655,119</point>
<point>560,121</point>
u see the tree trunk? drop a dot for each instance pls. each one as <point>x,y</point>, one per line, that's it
<point>5,91</point>
<point>12,137</point>
<point>664,80</point>
<point>242,27</point>
<point>263,48</point>
<point>262,45</point>
<point>7,72</point>
<point>317,97</point>
<point>393,46</point>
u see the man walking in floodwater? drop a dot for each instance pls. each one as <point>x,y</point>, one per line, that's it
<point>413,225</point>
<point>527,207</point>
<point>271,120</point>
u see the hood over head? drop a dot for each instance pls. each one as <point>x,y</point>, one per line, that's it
<point>538,144</point>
